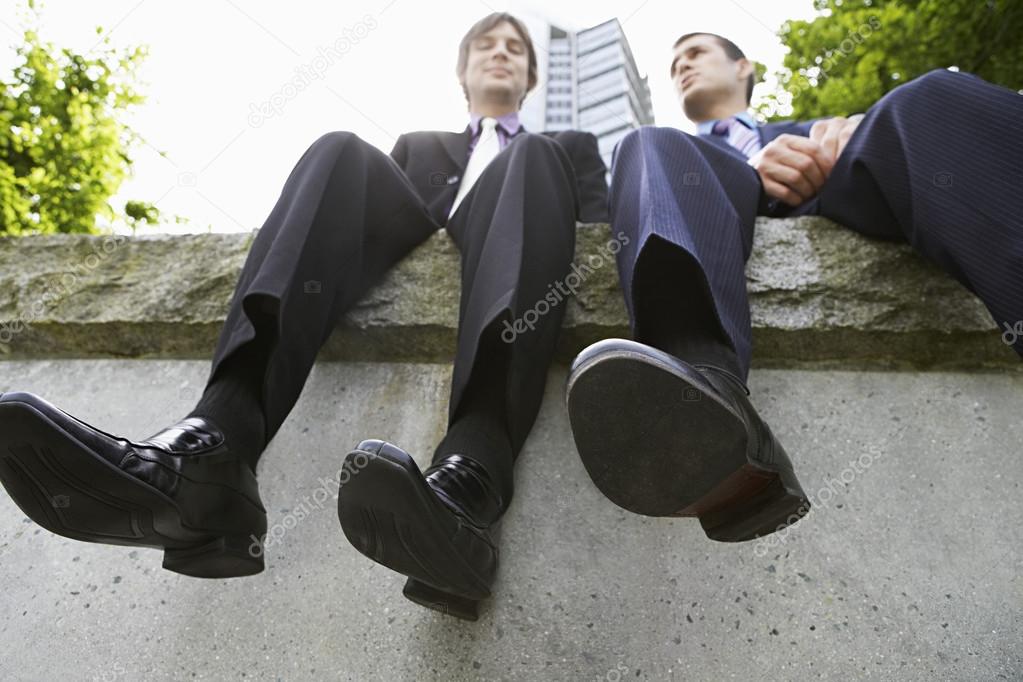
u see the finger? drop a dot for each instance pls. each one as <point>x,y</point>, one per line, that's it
<point>780,191</point>
<point>818,129</point>
<point>829,143</point>
<point>813,149</point>
<point>806,156</point>
<point>846,135</point>
<point>784,164</point>
<point>830,140</point>
<point>808,166</point>
<point>782,148</point>
<point>790,178</point>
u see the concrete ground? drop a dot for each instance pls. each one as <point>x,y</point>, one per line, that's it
<point>909,566</point>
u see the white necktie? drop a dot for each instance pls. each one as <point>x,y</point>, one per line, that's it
<point>487,147</point>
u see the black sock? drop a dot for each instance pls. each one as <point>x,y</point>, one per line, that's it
<point>480,429</point>
<point>232,400</point>
<point>676,311</point>
<point>482,436</point>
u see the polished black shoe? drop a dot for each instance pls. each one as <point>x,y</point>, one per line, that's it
<point>434,528</point>
<point>661,437</point>
<point>181,490</point>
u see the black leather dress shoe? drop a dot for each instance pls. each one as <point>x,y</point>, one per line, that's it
<point>434,528</point>
<point>181,490</point>
<point>661,437</point>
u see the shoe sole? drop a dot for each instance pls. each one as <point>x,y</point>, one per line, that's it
<point>72,491</point>
<point>390,515</point>
<point>657,443</point>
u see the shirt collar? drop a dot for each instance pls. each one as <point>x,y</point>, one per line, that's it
<point>704,127</point>
<point>509,122</point>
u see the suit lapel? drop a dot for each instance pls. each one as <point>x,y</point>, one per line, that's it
<point>457,147</point>
<point>438,184</point>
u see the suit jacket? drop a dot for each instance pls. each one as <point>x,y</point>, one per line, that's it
<point>434,161</point>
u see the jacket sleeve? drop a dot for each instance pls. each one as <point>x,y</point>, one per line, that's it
<point>590,173</point>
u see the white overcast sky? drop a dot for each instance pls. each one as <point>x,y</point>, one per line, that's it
<point>210,61</point>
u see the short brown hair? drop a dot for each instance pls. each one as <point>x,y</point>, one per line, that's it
<point>482,26</point>
<point>731,50</point>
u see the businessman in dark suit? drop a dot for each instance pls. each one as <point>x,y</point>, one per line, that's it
<point>508,198</point>
<point>663,423</point>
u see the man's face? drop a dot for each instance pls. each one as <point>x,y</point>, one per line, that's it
<point>703,74</point>
<point>497,68</point>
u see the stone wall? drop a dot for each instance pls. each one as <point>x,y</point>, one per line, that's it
<point>821,296</point>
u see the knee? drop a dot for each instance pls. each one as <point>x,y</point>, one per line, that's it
<point>937,83</point>
<point>340,147</point>
<point>536,141</point>
<point>533,151</point>
<point>653,138</point>
<point>650,141</point>
<point>336,140</point>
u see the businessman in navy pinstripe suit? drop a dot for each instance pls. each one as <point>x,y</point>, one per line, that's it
<point>663,423</point>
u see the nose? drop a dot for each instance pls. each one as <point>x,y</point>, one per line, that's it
<point>500,50</point>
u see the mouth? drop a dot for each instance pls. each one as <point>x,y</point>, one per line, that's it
<point>687,81</point>
<point>499,70</point>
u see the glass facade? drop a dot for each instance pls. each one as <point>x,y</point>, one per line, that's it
<point>593,84</point>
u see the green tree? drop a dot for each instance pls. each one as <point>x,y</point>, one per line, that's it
<point>63,151</point>
<point>844,60</point>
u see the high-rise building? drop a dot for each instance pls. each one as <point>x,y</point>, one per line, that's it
<point>588,81</point>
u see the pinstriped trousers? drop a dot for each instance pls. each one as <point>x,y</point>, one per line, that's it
<point>936,163</point>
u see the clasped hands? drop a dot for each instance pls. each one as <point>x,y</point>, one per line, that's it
<point>793,168</point>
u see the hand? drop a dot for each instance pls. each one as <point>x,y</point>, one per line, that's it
<point>793,168</point>
<point>833,133</point>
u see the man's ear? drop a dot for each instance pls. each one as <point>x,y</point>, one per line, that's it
<point>745,66</point>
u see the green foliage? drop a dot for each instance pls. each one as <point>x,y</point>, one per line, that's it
<point>63,152</point>
<point>137,212</point>
<point>844,60</point>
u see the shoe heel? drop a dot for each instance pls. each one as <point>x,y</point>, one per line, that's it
<point>780,504</point>
<point>230,556</point>
<point>438,600</point>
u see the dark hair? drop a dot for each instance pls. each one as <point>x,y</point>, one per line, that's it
<point>482,26</point>
<point>732,51</point>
